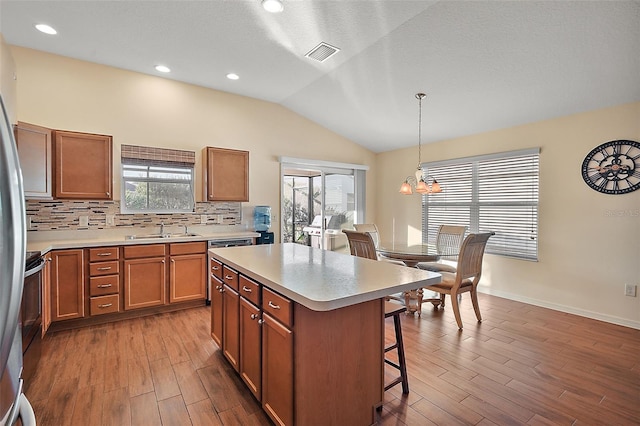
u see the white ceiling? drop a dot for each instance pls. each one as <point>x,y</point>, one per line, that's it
<point>484,64</point>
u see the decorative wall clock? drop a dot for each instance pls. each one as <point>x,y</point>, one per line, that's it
<point>613,167</point>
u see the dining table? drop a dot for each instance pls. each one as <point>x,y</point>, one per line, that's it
<point>411,255</point>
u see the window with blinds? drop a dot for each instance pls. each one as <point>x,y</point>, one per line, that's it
<point>497,192</point>
<point>157,180</point>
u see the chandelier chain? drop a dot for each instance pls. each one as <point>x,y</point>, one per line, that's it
<point>420,96</point>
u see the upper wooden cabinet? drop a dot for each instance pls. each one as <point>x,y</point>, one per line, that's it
<point>226,174</point>
<point>34,151</point>
<point>83,166</point>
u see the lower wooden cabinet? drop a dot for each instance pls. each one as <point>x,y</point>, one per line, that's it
<point>187,266</point>
<point>67,284</point>
<point>216,309</point>
<point>277,371</point>
<point>144,282</point>
<point>251,347</point>
<point>230,324</point>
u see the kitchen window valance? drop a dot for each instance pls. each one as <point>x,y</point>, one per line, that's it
<point>147,155</point>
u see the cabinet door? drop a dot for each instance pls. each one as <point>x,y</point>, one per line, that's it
<point>83,166</point>
<point>67,284</point>
<point>226,174</point>
<point>250,347</point>
<point>231,332</point>
<point>187,278</point>
<point>216,310</point>
<point>34,151</point>
<point>46,294</point>
<point>277,371</point>
<point>144,282</point>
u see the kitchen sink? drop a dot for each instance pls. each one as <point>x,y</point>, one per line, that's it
<point>159,236</point>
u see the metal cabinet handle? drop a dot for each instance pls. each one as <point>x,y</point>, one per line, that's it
<point>162,260</point>
<point>105,268</point>
<point>104,254</point>
<point>271,305</point>
<point>173,261</point>
<point>260,321</point>
<point>254,316</point>
<point>104,285</point>
<point>106,305</point>
<point>246,289</point>
<point>108,194</point>
<point>218,287</point>
<point>221,290</point>
<point>215,268</point>
<point>228,277</point>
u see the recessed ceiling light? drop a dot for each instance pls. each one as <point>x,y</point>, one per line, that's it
<point>273,6</point>
<point>163,68</point>
<point>46,29</point>
<point>232,76</point>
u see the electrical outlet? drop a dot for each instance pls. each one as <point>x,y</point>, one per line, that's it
<point>111,220</point>
<point>84,221</point>
<point>630,290</point>
<point>220,218</point>
<point>29,217</point>
<point>203,219</point>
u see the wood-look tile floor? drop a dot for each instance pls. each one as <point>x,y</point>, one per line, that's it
<point>522,365</point>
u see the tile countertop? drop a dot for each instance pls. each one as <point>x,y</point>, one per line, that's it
<point>322,280</point>
<point>80,239</point>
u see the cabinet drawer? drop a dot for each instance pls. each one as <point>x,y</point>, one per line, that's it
<point>104,268</point>
<point>250,290</point>
<point>105,304</point>
<point>215,267</point>
<point>147,250</point>
<point>103,253</point>
<point>230,277</point>
<point>108,284</point>
<point>277,306</point>
<point>188,248</point>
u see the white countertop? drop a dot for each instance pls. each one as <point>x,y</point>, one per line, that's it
<point>322,280</point>
<point>82,239</point>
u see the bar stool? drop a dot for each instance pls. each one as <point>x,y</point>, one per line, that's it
<point>394,310</point>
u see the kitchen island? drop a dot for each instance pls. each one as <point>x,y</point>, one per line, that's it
<point>304,328</point>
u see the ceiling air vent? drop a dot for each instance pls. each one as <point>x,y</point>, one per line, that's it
<point>322,52</point>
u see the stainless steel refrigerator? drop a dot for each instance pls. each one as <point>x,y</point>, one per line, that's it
<point>13,403</point>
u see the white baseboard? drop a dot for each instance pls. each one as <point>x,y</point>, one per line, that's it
<point>562,308</point>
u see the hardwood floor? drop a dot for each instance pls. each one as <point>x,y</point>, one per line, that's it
<point>522,365</point>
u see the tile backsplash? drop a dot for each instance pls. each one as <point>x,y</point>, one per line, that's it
<point>65,215</point>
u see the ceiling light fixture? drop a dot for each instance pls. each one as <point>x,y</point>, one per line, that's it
<point>44,28</point>
<point>430,185</point>
<point>273,6</point>
<point>163,68</point>
<point>233,76</point>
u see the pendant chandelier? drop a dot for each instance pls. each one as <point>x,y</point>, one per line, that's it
<point>422,185</point>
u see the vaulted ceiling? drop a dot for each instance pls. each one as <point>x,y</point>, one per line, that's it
<point>483,64</point>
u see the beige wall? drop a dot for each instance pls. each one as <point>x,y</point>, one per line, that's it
<point>139,109</point>
<point>589,243</point>
<point>8,82</point>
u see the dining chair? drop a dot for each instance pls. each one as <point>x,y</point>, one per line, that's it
<point>467,276</point>
<point>371,228</point>
<point>448,241</point>
<point>361,244</point>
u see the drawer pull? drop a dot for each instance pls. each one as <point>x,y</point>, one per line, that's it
<point>228,277</point>
<point>273,306</point>
<point>260,321</point>
<point>221,290</point>
<point>104,268</point>
<point>106,305</point>
<point>254,316</point>
<point>246,289</point>
<point>218,287</point>
<point>104,285</point>
<point>104,254</point>
<point>215,268</point>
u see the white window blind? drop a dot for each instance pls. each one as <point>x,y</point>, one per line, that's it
<point>497,192</point>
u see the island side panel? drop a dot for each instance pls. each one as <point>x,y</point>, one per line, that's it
<point>339,364</point>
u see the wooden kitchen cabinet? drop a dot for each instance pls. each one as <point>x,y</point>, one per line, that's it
<point>104,280</point>
<point>46,294</point>
<point>277,371</point>
<point>83,166</point>
<point>187,266</point>
<point>216,310</point>
<point>226,174</point>
<point>35,152</point>
<point>67,284</point>
<point>251,347</point>
<point>230,317</point>
<point>144,276</point>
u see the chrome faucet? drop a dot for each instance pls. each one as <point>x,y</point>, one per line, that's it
<point>186,230</point>
<point>161,228</point>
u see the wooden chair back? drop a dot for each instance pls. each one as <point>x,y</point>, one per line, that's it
<point>361,244</point>
<point>470,258</point>
<point>371,228</point>
<point>449,240</point>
